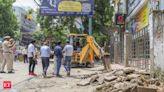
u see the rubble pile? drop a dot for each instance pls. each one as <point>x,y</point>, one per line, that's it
<point>122,80</point>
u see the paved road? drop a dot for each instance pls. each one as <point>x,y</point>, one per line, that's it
<point>20,75</point>
<point>22,82</point>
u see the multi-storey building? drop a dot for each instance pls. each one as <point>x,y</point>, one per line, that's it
<point>26,26</point>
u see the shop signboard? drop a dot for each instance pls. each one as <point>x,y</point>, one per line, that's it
<point>142,18</point>
<point>67,7</point>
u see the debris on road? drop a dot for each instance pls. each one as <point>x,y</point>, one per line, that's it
<point>110,78</point>
<point>123,80</point>
<point>85,82</point>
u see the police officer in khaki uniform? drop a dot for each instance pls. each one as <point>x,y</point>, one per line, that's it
<point>1,54</point>
<point>13,50</point>
<point>7,55</point>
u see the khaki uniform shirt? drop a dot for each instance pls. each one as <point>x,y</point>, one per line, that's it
<point>6,47</point>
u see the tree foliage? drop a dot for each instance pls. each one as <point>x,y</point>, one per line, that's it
<point>8,21</point>
<point>53,28</point>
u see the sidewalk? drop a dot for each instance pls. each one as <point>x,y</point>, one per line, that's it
<point>20,75</point>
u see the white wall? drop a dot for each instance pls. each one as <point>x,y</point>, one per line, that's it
<point>159,52</point>
<point>159,42</point>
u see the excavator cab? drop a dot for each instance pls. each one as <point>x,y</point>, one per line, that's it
<point>85,49</point>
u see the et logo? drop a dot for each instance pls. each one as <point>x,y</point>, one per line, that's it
<point>7,84</point>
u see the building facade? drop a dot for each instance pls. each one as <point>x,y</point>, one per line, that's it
<point>137,23</point>
<point>27,27</point>
<point>143,44</point>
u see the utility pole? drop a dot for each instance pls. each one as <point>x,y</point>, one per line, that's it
<point>90,26</point>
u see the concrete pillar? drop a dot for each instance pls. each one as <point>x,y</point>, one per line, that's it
<point>151,37</point>
<point>127,48</point>
<point>115,50</point>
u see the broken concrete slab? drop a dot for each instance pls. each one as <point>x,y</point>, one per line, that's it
<point>137,81</point>
<point>123,80</point>
<point>146,89</point>
<point>133,76</point>
<point>119,73</point>
<point>119,79</point>
<point>88,81</point>
<point>101,79</point>
<point>93,78</point>
<point>143,72</point>
<point>121,85</point>
<point>125,86</point>
<point>84,82</point>
<point>116,90</point>
<point>110,73</point>
<point>110,78</point>
<point>100,86</point>
<point>129,70</point>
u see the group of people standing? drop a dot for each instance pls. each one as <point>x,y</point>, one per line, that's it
<point>7,51</point>
<point>45,53</point>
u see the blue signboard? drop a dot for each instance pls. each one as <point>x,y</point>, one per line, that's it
<point>67,7</point>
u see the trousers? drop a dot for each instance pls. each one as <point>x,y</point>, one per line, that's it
<point>32,64</point>
<point>67,63</point>
<point>1,59</point>
<point>58,65</point>
<point>45,64</point>
<point>7,60</point>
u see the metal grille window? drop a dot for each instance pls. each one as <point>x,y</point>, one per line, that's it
<point>140,49</point>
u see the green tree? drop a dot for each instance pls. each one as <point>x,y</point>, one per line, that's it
<point>17,35</point>
<point>8,21</point>
<point>53,28</point>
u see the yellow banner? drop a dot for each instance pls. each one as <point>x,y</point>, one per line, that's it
<point>142,18</point>
<point>70,6</point>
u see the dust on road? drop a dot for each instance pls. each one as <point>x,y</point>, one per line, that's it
<point>64,84</point>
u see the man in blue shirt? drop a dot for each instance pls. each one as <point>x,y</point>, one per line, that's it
<point>45,55</point>
<point>58,54</point>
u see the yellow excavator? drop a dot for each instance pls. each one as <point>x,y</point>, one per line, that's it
<point>85,49</point>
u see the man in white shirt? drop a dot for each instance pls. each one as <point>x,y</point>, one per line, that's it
<point>32,59</point>
<point>45,55</point>
<point>68,52</point>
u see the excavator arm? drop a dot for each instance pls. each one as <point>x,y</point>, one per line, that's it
<point>90,50</point>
